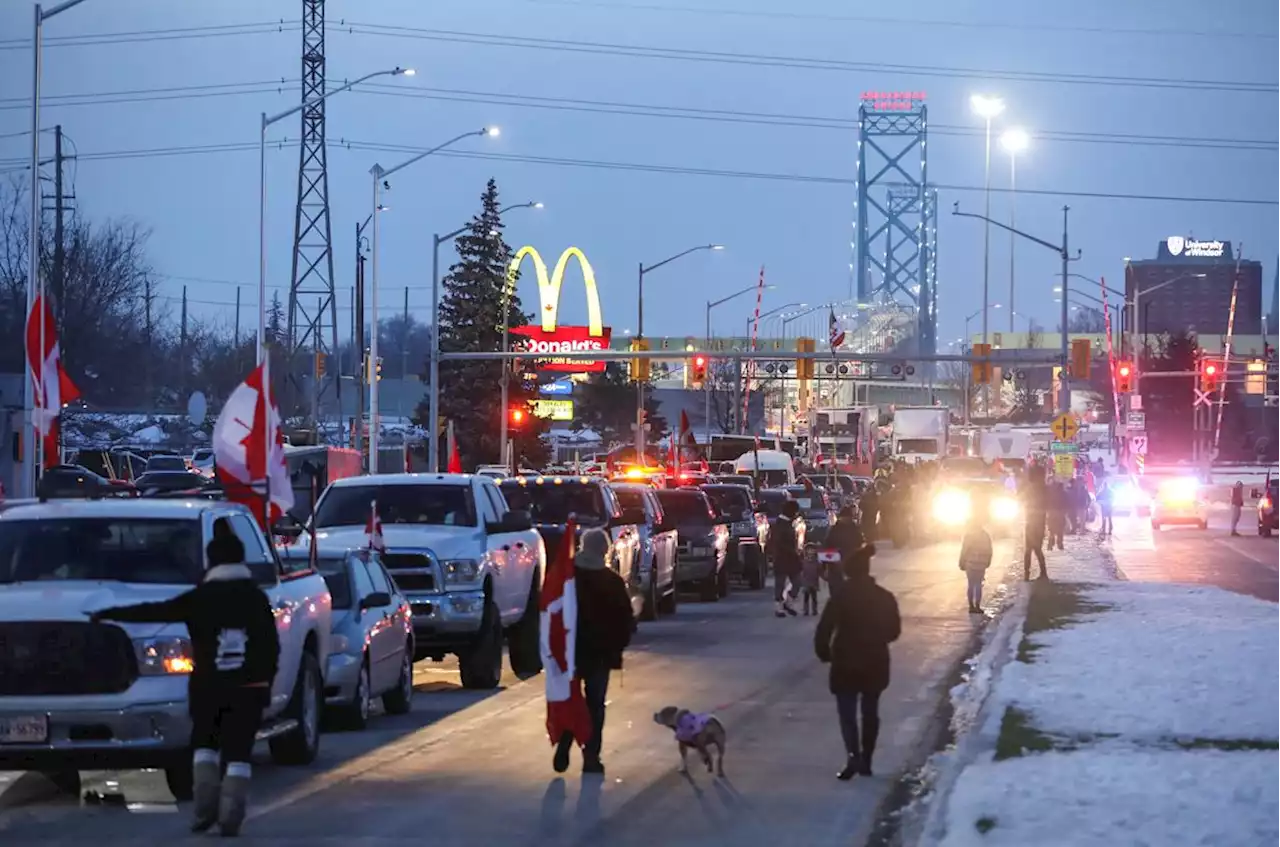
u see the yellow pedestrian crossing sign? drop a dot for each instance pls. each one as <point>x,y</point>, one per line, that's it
<point>1065,427</point>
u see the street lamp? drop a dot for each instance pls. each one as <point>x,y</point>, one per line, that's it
<point>760,319</point>
<point>640,455</point>
<point>986,108</point>
<point>379,175</point>
<point>1014,142</point>
<point>433,394</point>
<point>35,284</point>
<point>711,304</point>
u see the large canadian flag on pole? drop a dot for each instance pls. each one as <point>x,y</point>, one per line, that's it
<point>248,449</point>
<point>566,708</point>
<point>52,394</point>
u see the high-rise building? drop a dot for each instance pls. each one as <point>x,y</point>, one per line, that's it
<point>1195,280</point>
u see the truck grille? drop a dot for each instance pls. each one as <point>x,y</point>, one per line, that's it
<point>412,571</point>
<point>43,658</point>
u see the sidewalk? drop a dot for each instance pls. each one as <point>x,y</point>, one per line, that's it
<point>1119,714</point>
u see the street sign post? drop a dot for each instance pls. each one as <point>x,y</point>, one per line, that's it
<point>1065,427</point>
<point>1064,465</point>
<point>1136,420</point>
<point>1064,447</point>
<point>1203,398</point>
<point>1138,443</point>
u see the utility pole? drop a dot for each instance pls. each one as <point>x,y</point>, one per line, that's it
<point>149,304</point>
<point>235,338</point>
<point>59,245</point>
<point>362,367</point>
<point>182,342</point>
<point>404,355</point>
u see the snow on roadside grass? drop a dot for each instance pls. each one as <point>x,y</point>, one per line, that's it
<point>1161,662</point>
<point>1117,798</point>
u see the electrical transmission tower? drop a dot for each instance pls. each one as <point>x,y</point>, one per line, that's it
<point>897,235</point>
<point>313,311</point>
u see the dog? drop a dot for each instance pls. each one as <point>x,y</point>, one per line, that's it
<point>699,731</point>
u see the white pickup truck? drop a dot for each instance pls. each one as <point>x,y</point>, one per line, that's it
<point>76,695</point>
<point>470,566</point>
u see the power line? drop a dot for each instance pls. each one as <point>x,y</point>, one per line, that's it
<point>613,107</point>
<point>233,147</point>
<point>800,62</point>
<point>172,34</point>
<point>614,5</point>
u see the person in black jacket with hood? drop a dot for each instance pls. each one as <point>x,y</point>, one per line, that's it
<point>857,626</point>
<point>605,624</point>
<point>236,651</point>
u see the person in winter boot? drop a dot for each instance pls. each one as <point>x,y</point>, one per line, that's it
<point>784,549</point>
<point>853,634</point>
<point>1237,506</point>
<point>1034,507</point>
<point>1056,498</point>
<point>235,650</point>
<point>975,558</point>
<point>605,625</point>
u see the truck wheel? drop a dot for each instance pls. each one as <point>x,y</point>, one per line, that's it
<point>399,700</point>
<point>722,582</point>
<point>524,647</point>
<point>668,603</point>
<point>710,589</point>
<point>179,778</point>
<point>355,715</point>
<point>300,745</point>
<point>753,568</point>
<point>649,611</point>
<point>481,666</point>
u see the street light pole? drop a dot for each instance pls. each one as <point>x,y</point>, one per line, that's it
<point>1014,142</point>
<point>707,383</point>
<point>1137,317</point>
<point>433,390</point>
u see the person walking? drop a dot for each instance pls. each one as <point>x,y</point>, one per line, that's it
<point>1106,503</point>
<point>853,635</point>
<point>1078,498</point>
<point>604,627</point>
<point>1057,504</point>
<point>784,550</point>
<point>1237,506</point>
<point>1034,507</point>
<point>869,505</point>
<point>975,558</point>
<point>236,652</point>
<point>845,538</point>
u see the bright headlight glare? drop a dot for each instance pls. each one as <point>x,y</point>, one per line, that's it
<point>951,507</point>
<point>1004,508</point>
<point>461,570</point>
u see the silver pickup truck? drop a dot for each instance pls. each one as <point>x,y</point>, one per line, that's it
<point>81,696</point>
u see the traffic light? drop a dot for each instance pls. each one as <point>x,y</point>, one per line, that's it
<point>1210,375</point>
<point>639,367</point>
<point>698,371</point>
<point>1124,377</point>
<point>1080,358</point>
<point>982,370</point>
<point>320,361</point>
<point>517,417</point>
<point>804,367</point>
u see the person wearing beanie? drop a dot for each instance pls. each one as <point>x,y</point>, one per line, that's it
<point>235,653</point>
<point>605,624</point>
<point>854,633</point>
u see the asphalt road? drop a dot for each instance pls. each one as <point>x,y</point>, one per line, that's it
<point>1245,564</point>
<point>465,768</point>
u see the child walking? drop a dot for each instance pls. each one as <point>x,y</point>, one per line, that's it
<point>810,582</point>
<point>975,558</point>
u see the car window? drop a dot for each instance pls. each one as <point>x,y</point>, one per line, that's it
<point>165,463</point>
<point>630,499</point>
<point>730,500</point>
<point>150,551</point>
<point>433,505</point>
<point>377,577</point>
<point>550,503</point>
<point>364,583</point>
<point>655,507</point>
<point>256,555</point>
<point>686,506</point>
<point>337,576</point>
<point>495,500</point>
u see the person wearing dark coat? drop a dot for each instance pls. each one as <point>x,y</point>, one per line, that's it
<point>605,624</point>
<point>870,506</point>
<point>1034,506</point>
<point>784,550</point>
<point>1057,506</point>
<point>235,653</point>
<point>857,626</point>
<point>845,537</point>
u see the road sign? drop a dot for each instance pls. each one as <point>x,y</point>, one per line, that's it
<point>1203,398</point>
<point>1138,443</point>
<point>1065,427</point>
<point>1136,420</point>
<point>1063,447</point>
<point>1064,465</point>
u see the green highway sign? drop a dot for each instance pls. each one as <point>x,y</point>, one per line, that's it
<point>1063,447</point>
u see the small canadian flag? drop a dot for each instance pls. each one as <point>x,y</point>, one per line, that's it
<point>373,529</point>
<point>828,556</point>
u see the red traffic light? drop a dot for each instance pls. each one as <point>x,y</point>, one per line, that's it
<point>517,416</point>
<point>699,361</point>
<point>1124,370</point>
<point>1210,369</point>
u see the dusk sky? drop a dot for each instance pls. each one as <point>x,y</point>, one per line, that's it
<point>1098,122</point>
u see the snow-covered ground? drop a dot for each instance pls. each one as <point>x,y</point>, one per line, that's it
<point>1155,709</point>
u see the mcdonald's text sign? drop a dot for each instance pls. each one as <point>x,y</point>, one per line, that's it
<point>546,338</point>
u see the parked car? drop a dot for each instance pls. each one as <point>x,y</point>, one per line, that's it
<point>470,566</point>
<point>704,541</point>
<point>202,461</point>
<point>74,481</point>
<point>1180,502</point>
<point>371,640</point>
<point>658,550</point>
<point>1267,497</point>
<point>748,532</point>
<point>818,511</point>
<point>163,482</point>
<point>165,462</point>
<point>77,695</point>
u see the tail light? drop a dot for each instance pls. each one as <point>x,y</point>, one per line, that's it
<point>1264,503</point>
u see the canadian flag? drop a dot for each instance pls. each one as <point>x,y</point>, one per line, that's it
<point>248,449</point>
<point>49,395</point>
<point>566,708</point>
<point>373,529</point>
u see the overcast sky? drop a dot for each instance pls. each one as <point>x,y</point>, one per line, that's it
<point>202,207</point>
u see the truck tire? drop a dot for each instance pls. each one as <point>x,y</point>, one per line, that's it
<point>481,666</point>
<point>668,603</point>
<point>355,715</point>
<point>399,700</point>
<point>179,778</point>
<point>753,570</point>
<point>722,583</point>
<point>649,611</point>
<point>524,638</point>
<point>301,745</point>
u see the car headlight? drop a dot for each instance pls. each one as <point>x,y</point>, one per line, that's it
<point>1004,509</point>
<point>951,507</point>
<point>457,571</point>
<point>164,655</point>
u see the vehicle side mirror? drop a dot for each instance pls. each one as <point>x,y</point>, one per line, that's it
<point>376,600</point>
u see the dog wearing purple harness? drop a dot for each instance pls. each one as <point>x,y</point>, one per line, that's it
<point>701,731</point>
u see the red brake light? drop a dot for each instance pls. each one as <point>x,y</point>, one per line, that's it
<point>1265,503</point>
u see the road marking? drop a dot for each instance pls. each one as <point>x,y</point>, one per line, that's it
<point>1235,547</point>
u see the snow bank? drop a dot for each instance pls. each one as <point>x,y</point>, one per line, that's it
<point>1082,561</point>
<point>1165,661</point>
<point>1118,798</point>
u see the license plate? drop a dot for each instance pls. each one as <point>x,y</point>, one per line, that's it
<point>32,729</point>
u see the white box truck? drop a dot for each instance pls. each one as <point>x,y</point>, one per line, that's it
<point>920,433</point>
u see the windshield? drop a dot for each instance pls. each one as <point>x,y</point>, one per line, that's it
<point>434,505</point>
<point>686,507</point>
<point>166,463</point>
<point>730,500</point>
<point>337,575</point>
<point>551,503</point>
<point>630,499</point>
<point>908,446</point>
<point>160,552</point>
<point>810,502</point>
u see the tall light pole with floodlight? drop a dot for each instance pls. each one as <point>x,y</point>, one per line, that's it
<point>1014,142</point>
<point>987,108</point>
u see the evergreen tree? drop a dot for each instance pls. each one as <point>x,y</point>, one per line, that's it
<point>275,330</point>
<point>470,321</point>
<point>606,404</point>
